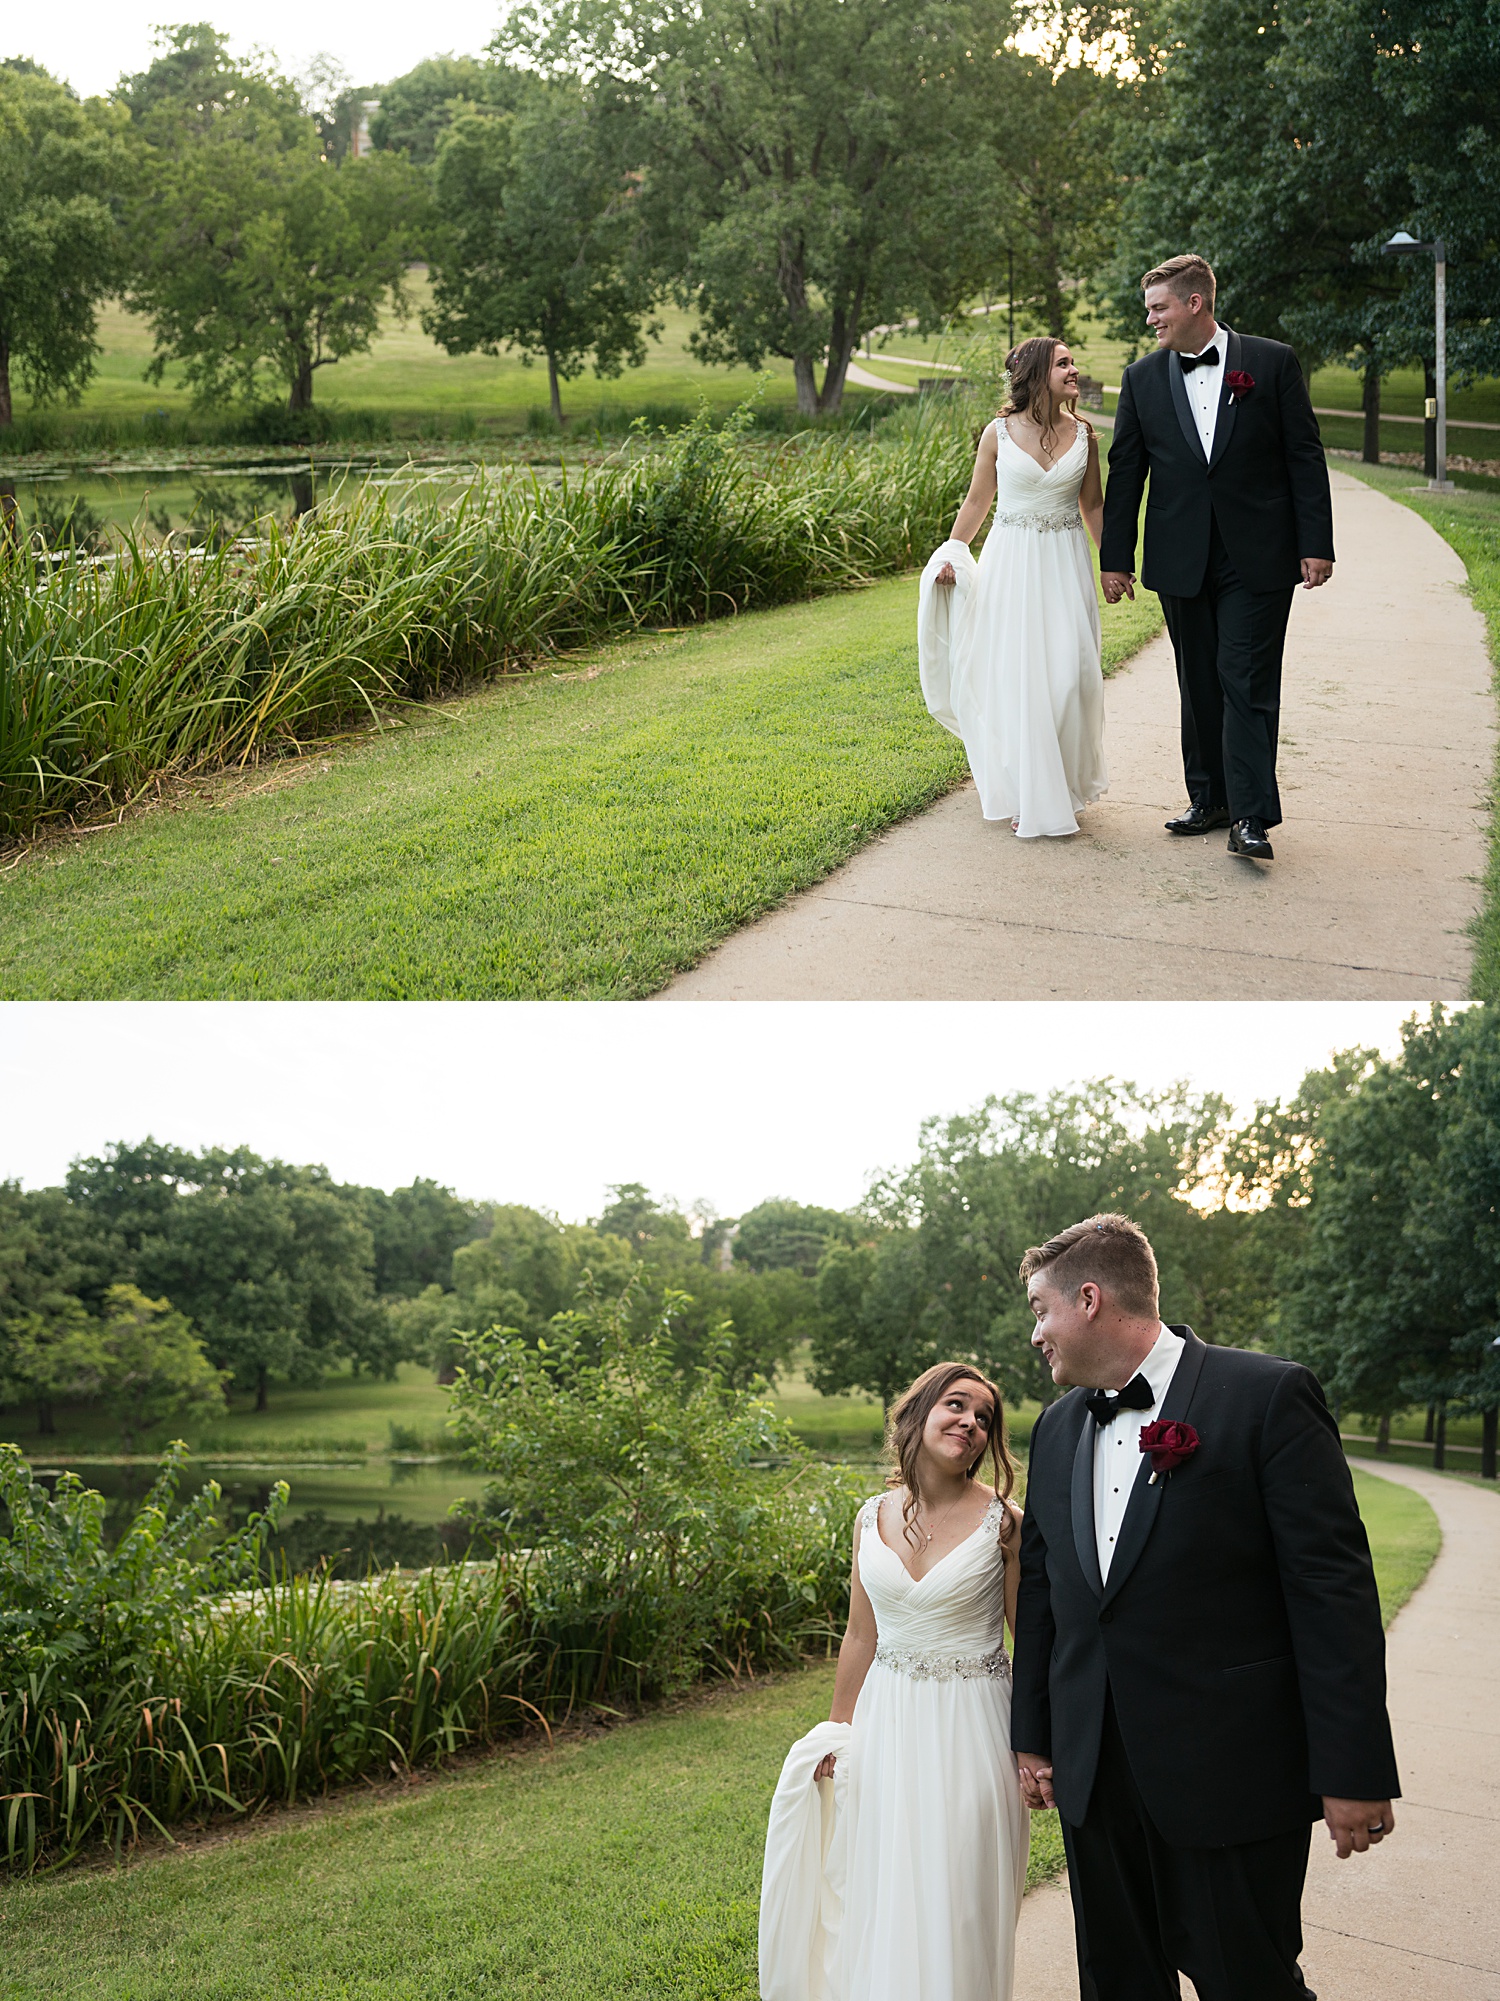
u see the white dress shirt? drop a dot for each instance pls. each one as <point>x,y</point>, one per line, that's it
<point>1205,390</point>
<point>1117,1447</point>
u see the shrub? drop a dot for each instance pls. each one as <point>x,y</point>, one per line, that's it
<point>668,1525</point>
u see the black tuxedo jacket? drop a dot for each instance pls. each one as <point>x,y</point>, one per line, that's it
<point>1239,1631</point>
<point>1266,484</point>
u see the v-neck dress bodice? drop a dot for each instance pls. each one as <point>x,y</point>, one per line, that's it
<point>1010,653</point>
<point>948,1623</point>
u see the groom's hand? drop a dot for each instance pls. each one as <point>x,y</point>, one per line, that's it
<point>1355,1825</point>
<point>1036,1780</point>
<point>1117,584</point>
<point>1315,570</point>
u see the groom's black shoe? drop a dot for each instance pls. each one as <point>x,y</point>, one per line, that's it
<point>1199,820</point>
<point>1248,838</point>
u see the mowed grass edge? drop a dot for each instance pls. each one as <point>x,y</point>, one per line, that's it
<point>1469,521</point>
<point>583,832</point>
<point>620,1868</point>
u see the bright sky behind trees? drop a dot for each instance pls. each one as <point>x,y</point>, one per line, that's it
<point>551,1103</point>
<point>90,44</point>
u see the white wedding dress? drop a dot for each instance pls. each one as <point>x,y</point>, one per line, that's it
<point>903,1881</point>
<point>1010,653</point>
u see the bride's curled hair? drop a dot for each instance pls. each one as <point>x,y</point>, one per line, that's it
<point>1028,367</point>
<point>908,1421</point>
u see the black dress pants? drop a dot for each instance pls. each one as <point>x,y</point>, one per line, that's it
<point>1228,642</point>
<point>1230,1918</point>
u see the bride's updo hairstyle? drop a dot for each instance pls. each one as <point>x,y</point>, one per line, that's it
<point>908,1421</point>
<point>1027,367</point>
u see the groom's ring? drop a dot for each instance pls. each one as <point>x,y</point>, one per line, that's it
<point>1378,1828</point>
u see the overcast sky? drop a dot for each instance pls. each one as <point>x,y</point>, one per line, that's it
<point>550,1104</point>
<point>91,43</point>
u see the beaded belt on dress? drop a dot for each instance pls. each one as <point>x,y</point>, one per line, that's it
<point>944,1667</point>
<point>1045,524</point>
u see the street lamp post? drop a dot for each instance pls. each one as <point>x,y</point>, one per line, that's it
<point>1404,245</point>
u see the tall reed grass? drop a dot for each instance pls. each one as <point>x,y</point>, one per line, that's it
<point>115,674</point>
<point>280,1690</point>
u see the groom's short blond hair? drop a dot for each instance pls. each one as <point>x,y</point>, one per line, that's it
<point>1108,1251</point>
<point>1183,276</point>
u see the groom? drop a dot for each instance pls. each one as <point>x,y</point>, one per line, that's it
<point>1199,1664</point>
<point>1239,514</point>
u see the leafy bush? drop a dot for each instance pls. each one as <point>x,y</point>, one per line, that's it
<point>668,1525</point>
<point>117,673</point>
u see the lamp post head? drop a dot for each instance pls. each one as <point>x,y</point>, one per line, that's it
<point>1402,244</point>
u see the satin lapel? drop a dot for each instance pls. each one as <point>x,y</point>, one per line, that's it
<point>1140,1510</point>
<point>1185,415</point>
<point>1085,1537</point>
<point>1224,428</point>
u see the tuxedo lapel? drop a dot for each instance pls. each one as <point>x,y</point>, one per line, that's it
<point>1085,1537</point>
<point>1145,1499</point>
<point>1183,408</point>
<point>1224,428</point>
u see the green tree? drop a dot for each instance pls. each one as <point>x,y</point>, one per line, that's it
<point>937,1278</point>
<point>61,165</point>
<point>536,250</point>
<point>1358,1306</point>
<point>49,1340</point>
<point>789,1236</point>
<point>416,1231</point>
<point>273,1264</point>
<point>255,253</point>
<point>154,1370</point>
<point>417,108</point>
<point>811,170</point>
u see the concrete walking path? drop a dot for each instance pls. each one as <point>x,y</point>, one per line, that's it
<point>1386,762</point>
<point>1417,1919</point>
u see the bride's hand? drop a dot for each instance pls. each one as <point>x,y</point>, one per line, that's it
<point>825,1767</point>
<point>945,575</point>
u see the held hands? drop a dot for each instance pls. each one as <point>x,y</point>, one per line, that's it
<point>945,575</point>
<point>1355,1825</point>
<point>1036,1780</point>
<point>825,1767</point>
<point>1315,570</point>
<point>1117,584</point>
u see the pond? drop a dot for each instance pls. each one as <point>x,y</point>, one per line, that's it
<point>95,507</point>
<point>419,1490</point>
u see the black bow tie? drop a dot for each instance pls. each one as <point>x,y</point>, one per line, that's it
<point>1136,1395</point>
<point>1208,359</point>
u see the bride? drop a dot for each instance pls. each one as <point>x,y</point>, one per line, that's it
<point>1010,658</point>
<point>901,1879</point>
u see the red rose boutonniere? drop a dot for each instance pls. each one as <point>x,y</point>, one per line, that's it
<point>1239,384</point>
<point>1170,1445</point>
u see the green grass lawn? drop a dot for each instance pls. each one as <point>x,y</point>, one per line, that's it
<point>1470,520</point>
<point>581,833</point>
<point>407,377</point>
<point>620,1868</point>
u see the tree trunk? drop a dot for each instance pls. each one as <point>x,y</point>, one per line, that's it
<point>303,498</point>
<point>805,376</point>
<point>554,389</point>
<point>45,1427</point>
<point>1429,426</point>
<point>5,410</point>
<point>1383,1436</point>
<point>262,1400</point>
<point>831,396</point>
<point>1371,452</point>
<point>302,386</point>
<point>1440,1440</point>
<point>1431,1419</point>
<point>1487,1443</point>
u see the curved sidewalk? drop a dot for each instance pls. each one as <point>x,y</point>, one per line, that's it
<point>1386,762</point>
<point>1417,1919</point>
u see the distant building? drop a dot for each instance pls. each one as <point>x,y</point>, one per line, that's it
<point>359,128</point>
